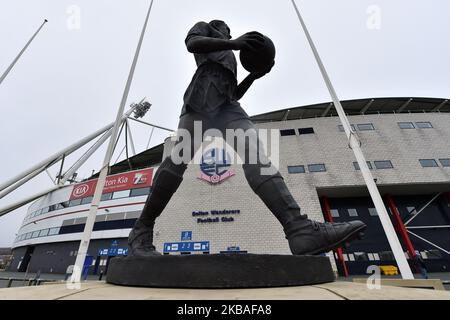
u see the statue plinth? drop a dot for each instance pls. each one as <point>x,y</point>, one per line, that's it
<point>220,271</point>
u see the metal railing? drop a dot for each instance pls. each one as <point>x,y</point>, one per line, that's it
<point>26,282</point>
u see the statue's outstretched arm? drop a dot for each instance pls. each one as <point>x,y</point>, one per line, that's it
<point>248,81</point>
<point>202,44</point>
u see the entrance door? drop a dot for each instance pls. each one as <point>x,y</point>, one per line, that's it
<point>97,264</point>
<point>26,259</point>
<point>87,265</point>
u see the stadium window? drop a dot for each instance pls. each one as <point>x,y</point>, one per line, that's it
<point>121,194</point>
<point>87,200</point>
<point>28,236</point>
<point>445,162</point>
<point>319,167</point>
<point>287,132</point>
<point>406,125</point>
<point>386,256</point>
<point>52,208</point>
<point>433,254</point>
<point>106,196</point>
<point>352,212</point>
<point>53,231</point>
<point>44,210</point>
<point>334,213</point>
<point>356,165</point>
<point>361,256</point>
<point>65,204</point>
<point>411,210</point>
<point>296,169</point>
<point>35,234</point>
<point>140,192</point>
<point>373,212</point>
<point>74,202</point>
<point>428,163</point>
<point>305,130</point>
<point>365,127</point>
<point>424,125</point>
<point>341,127</point>
<point>44,232</point>
<point>383,164</point>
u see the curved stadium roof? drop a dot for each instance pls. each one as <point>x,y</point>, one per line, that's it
<point>153,156</point>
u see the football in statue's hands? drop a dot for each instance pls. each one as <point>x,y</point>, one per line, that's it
<point>258,60</point>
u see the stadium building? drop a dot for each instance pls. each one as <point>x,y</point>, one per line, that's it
<point>405,140</point>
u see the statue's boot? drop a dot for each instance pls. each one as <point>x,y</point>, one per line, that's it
<point>311,237</point>
<point>305,236</point>
<point>166,182</point>
<point>140,240</point>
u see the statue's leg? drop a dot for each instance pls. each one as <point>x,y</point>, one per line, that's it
<point>166,181</point>
<point>305,236</point>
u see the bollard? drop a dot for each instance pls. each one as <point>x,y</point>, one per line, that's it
<point>9,284</point>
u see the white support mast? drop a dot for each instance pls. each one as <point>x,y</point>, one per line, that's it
<point>66,176</point>
<point>86,237</point>
<point>355,145</point>
<point>21,52</point>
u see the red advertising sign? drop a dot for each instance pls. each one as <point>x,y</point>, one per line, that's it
<point>117,182</point>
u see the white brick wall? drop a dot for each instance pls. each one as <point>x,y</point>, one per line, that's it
<point>255,229</point>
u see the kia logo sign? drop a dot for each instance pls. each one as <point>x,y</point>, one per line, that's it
<point>80,190</point>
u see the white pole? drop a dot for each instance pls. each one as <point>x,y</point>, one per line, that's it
<point>63,180</point>
<point>21,52</point>
<point>60,154</point>
<point>133,150</point>
<point>55,157</point>
<point>21,182</point>
<point>23,202</point>
<point>85,240</point>
<point>367,175</point>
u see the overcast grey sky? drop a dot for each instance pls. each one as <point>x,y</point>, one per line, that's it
<point>70,81</point>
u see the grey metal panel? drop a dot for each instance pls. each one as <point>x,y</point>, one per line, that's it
<point>80,220</point>
<point>100,218</point>
<point>115,216</point>
<point>133,215</point>
<point>68,222</point>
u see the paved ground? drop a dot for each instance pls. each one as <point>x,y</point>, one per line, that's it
<point>49,276</point>
<point>94,289</point>
<point>340,290</point>
<point>444,276</point>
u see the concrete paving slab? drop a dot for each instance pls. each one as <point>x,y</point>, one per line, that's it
<point>96,290</point>
<point>359,291</point>
<point>134,293</point>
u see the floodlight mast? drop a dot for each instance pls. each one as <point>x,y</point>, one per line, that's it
<point>355,145</point>
<point>86,237</point>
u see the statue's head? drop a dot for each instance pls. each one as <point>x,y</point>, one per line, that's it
<point>221,27</point>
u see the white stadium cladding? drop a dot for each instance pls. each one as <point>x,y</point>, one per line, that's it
<point>405,140</point>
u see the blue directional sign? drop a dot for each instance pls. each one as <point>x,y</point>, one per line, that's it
<point>186,235</point>
<point>201,246</point>
<point>113,252</point>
